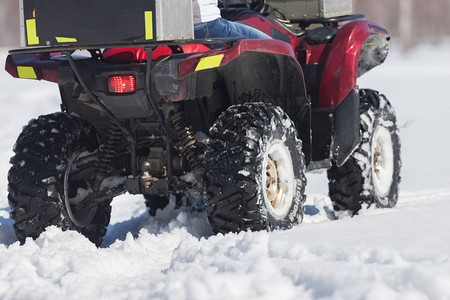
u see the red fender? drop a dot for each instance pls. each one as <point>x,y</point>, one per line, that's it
<point>221,57</point>
<point>341,68</point>
<point>189,65</point>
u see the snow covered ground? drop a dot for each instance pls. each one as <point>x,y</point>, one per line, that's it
<point>401,253</point>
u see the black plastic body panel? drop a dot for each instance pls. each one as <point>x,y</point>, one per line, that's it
<point>165,74</point>
<point>322,131</point>
<point>313,76</point>
<point>346,135</point>
<point>124,106</point>
<point>336,133</point>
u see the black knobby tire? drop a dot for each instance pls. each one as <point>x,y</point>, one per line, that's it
<point>43,152</point>
<point>372,173</point>
<point>250,144</point>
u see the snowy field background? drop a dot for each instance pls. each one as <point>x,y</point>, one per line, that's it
<point>401,253</point>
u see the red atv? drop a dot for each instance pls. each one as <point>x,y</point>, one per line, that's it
<point>149,110</point>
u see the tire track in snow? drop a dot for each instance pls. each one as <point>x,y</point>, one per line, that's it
<point>407,198</point>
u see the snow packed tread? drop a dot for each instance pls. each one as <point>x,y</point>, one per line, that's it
<point>35,178</point>
<point>351,185</point>
<point>232,196</point>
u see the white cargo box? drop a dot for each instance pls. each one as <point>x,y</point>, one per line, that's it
<point>312,9</point>
<point>174,20</point>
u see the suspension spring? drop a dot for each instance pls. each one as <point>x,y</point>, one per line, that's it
<point>188,142</point>
<point>107,154</point>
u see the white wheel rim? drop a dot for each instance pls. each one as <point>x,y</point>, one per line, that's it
<point>382,161</point>
<point>278,179</point>
<point>83,218</point>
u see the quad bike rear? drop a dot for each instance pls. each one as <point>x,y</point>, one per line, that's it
<point>146,109</point>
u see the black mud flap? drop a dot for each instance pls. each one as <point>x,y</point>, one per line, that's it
<point>346,133</point>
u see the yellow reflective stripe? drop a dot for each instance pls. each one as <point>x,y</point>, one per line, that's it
<point>33,39</point>
<point>209,62</point>
<point>372,43</point>
<point>148,25</point>
<point>26,72</point>
<point>65,40</point>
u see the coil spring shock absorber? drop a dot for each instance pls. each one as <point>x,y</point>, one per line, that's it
<point>188,142</point>
<point>107,153</point>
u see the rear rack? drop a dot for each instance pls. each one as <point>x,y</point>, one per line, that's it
<point>74,47</point>
<point>304,23</point>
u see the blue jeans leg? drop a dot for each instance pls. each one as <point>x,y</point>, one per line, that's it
<point>201,31</point>
<point>221,28</point>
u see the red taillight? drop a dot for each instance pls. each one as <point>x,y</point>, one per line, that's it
<point>122,84</point>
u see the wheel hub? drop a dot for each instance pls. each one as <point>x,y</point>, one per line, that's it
<point>278,179</point>
<point>273,186</point>
<point>382,161</point>
<point>81,217</point>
